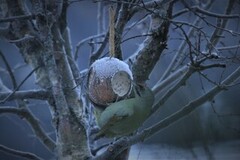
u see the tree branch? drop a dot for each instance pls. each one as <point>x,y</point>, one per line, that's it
<point>160,85</point>
<point>19,153</point>
<point>15,89</point>
<point>8,67</point>
<point>29,94</point>
<point>152,4</point>
<point>100,20</point>
<point>180,53</point>
<point>123,143</point>
<point>34,123</point>
<point>228,47</point>
<point>85,40</point>
<point>205,12</point>
<point>71,129</point>
<point>211,14</point>
<point>190,71</point>
<point>215,37</point>
<point>146,58</point>
<point>13,18</point>
<point>124,15</point>
<point>68,50</point>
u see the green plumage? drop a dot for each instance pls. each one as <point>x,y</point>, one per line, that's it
<point>126,116</point>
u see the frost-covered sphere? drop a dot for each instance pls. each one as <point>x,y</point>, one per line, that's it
<point>109,80</point>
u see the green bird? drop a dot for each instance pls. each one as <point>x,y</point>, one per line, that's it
<point>126,116</point>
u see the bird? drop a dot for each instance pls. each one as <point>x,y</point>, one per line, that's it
<point>124,117</point>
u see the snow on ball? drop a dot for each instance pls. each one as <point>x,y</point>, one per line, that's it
<point>109,80</point>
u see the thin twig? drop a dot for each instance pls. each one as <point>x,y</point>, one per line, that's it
<point>100,20</point>
<point>205,12</point>
<point>181,82</point>
<point>151,4</point>
<point>173,89</point>
<point>10,72</point>
<point>137,36</point>
<point>22,17</point>
<point>85,40</point>
<point>123,143</point>
<point>160,85</point>
<point>98,53</point>
<point>34,123</point>
<point>29,94</point>
<point>179,55</point>
<point>4,100</point>
<point>154,46</point>
<point>141,20</point>
<point>18,153</point>
<point>228,47</point>
<point>25,38</point>
<point>111,32</point>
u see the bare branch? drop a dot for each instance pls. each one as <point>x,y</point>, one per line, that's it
<point>137,36</point>
<point>142,20</point>
<point>222,24</point>
<point>124,16</point>
<point>9,69</point>
<point>29,94</point>
<point>160,85</point>
<point>215,37</point>
<point>123,143</point>
<point>152,4</point>
<point>68,50</point>
<point>13,18</point>
<point>34,123</point>
<point>100,19</point>
<point>98,53</point>
<point>228,47</point>
<point>205,12</point>
<point>211,14</point>
<point>147,57</point>
<point>194,104</point>
<point>78,46</point>
<point>179,55</point>
<point>25,38</point>
<point>19,153</point>
<point>182,81</point>
<point>70,124</point>
<point>15,89</point>
<point>111,31</point>
<point>189,70</point>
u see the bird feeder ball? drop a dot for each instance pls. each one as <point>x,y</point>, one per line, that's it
<point>109,80</point>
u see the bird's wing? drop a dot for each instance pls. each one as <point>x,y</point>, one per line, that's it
<point>116,112</point>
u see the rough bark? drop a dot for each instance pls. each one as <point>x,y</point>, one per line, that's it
<point>44,49</point>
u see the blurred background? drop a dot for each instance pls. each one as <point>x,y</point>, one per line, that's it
<point>210,132</point>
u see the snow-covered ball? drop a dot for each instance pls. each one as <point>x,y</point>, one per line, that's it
<point>109,80</point>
